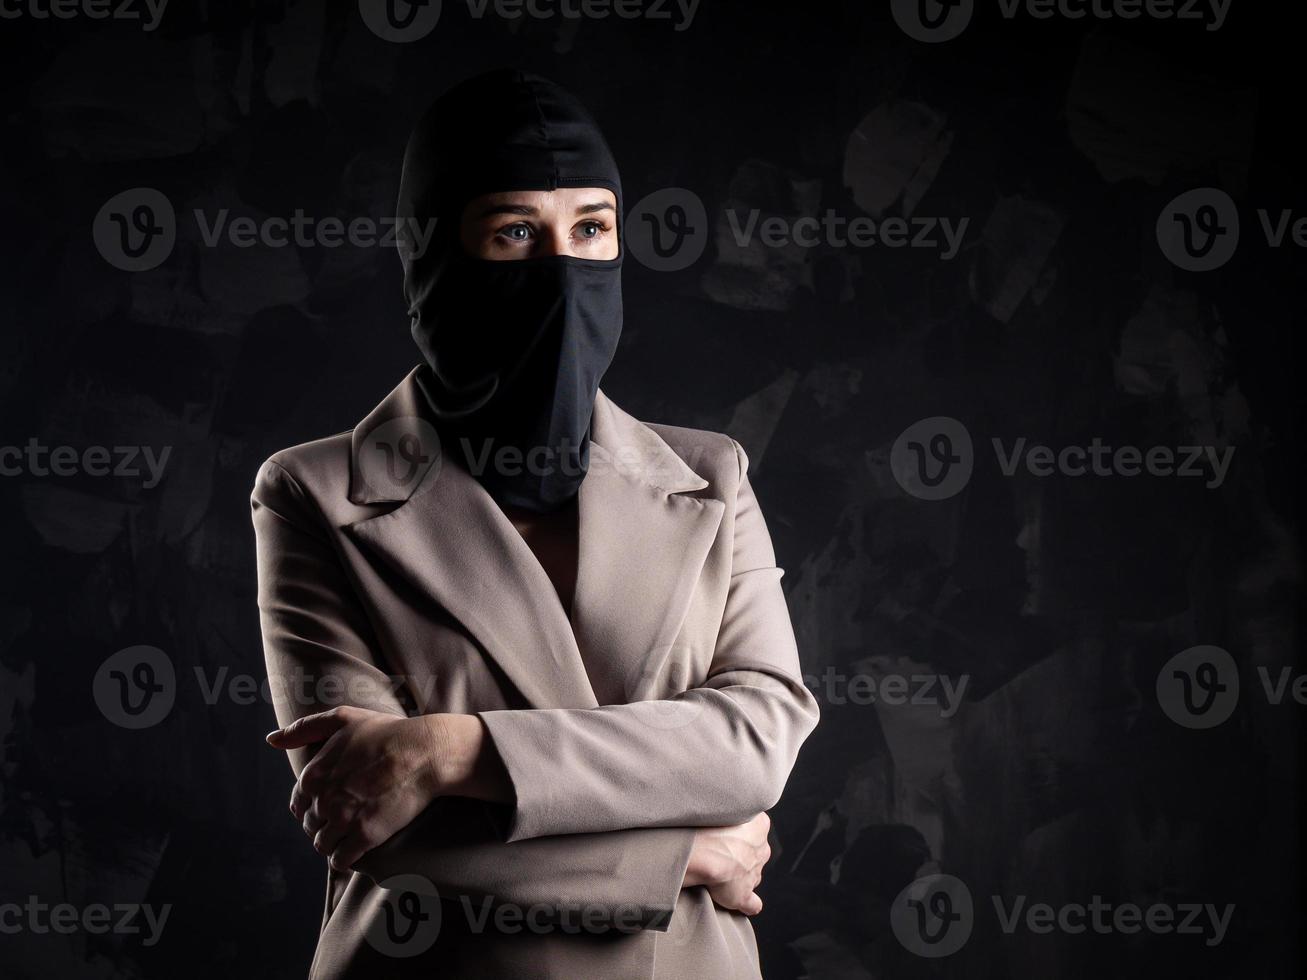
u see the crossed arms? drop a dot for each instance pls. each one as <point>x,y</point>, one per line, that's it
<point>611,804</point>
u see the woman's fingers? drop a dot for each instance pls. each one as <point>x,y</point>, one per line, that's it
<point>738,892</point>
<point>307,789</point>
<point>313,821</point>
<point>309,729</point>
<point>348,851</point>
<point>314,775</point>
<point>319,775</point>
<point>738,896</point>
<point>362,783</point>
<point>328,838</point>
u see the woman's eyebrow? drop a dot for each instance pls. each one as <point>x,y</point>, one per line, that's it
<point>493,209</point>
<point>596,206</point>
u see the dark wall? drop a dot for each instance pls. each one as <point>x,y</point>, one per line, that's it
<point>1062,739</point>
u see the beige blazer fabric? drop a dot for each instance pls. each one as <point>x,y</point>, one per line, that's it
<point>670,698</point>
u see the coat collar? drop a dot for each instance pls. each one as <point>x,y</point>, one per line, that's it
<point>642,543</point>
<point>397,431</point>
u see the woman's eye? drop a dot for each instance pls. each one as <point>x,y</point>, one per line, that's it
<point>516,233</point>
<point>591,229</point>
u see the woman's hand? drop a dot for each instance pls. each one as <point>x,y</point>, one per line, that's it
<point>728,862</point>
<point>371,776</point>
<point>375,772</point>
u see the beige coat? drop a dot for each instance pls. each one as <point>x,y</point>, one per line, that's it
<point>670,699</point>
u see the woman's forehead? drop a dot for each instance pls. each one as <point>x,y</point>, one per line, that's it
<point>581,200</point>
<point>564,194</point>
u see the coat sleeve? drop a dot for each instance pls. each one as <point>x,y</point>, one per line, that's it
<point>714,755</point>
<point>320,652</point>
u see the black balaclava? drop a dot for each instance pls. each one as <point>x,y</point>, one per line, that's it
<point>514,349</point>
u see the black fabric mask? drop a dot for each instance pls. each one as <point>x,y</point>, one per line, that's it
<point>514,350</point>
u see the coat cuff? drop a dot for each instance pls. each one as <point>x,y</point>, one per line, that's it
<point>663,866</point>
<point>540,789</point>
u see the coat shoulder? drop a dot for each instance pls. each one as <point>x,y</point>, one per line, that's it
<point>714,456</point>
<point>316,466</point>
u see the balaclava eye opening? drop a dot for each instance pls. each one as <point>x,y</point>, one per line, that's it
<point>514,349</point>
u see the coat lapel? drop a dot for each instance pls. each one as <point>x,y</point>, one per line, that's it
<point>641,546</point>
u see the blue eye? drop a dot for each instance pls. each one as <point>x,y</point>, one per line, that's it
<point>518,232</point>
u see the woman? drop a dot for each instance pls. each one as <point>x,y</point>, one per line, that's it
<point>533,664</point>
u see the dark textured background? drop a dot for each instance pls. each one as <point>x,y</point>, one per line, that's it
<point>1060,320</point>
